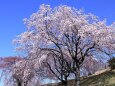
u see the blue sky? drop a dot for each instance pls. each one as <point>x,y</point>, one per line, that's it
<point>12,13</point>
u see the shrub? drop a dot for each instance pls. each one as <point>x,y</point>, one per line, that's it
<point>111,63</point>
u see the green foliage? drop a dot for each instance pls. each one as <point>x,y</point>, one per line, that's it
<point>112,63</point>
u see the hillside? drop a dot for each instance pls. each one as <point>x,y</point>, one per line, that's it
<point>105,78</point>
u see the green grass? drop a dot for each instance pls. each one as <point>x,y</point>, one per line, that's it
<point>106,78</point>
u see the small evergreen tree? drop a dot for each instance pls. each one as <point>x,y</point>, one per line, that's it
<point>112,63</point>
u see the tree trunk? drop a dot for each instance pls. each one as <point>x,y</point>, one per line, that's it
<point>25,83</point>
<point>64,83</point>
<point>65,80</point>
<point>77,77</point>
<point>18,82</point>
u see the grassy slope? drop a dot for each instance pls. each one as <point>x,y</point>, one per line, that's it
<point>106,78</point>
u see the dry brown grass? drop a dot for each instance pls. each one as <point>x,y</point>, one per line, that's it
<point>105,78</point>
